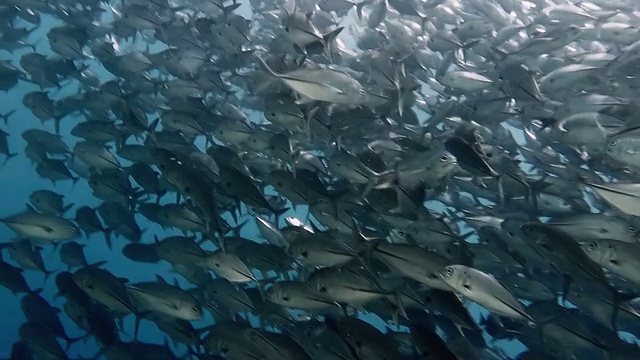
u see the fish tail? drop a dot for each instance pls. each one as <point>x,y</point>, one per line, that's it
<point>567,281</point>
<point>47,274</point>
<point>56,122</point>
<point>278,213</point>
<point>501,190</point>
<point>228,9</point>
<point>159,196</point>
<point>9,156</point>
<point>5,117</point>
<point>97,264</point>
<point>71,341</point>
<point>66,208</point>
<point>236,229</point>
<point>618,299</point>
<point>360,6</point>
<point>423,22</point>
<point>371,184</point>
<point>153,125</point>
<point>266,66</point>
<point>136,326</point>
<point>603,18</point>
<point>107,237</point>
<point>328,40</point>
<point>34,292</point>
<point>364,256</point>
<point>332,35</point>
<point>222,244</point>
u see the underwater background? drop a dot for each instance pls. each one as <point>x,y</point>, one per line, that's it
<point>18,180</point>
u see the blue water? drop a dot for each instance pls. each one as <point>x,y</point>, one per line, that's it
<point>18,179</point>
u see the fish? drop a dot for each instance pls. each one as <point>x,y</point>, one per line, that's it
<point>44,227</point>
<point>322,85</point>
<point>482,288</point>
<point>415,262</point>
<point>165,299</point>
<point>105,288</point>
<point>297,295</point>
<point>49,202</point>
<point>72,255</point>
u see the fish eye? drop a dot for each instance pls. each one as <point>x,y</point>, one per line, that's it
<point>304,254</point>
<point>593,245</point>
<point>195,309</point>
<point>613,143</point>
<point>449,271</point>
<point>444,158</point>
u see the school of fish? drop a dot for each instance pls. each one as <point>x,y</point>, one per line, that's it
<point>425,179</point>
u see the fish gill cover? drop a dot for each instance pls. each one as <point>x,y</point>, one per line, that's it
<point>324,180</point>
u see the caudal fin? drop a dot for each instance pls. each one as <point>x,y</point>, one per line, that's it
<point>5,117</point>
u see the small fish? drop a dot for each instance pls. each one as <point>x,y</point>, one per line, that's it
<point>297,295</point>
<point>484,290</point>
<point>228,266</point>
<point>322,85</point>
<point>465,81</point>
<point>49,202</point>
<point>105,288</point>
<point>72,255</point>
<point>165,299</point>
<point>31,224</point>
